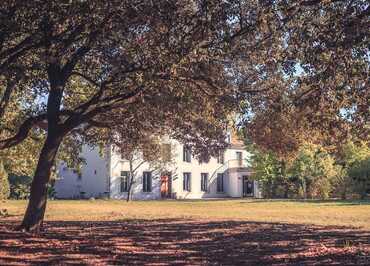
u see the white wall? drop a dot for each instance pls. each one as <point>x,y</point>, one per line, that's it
<point>93,181</point>
<point>180,167</point>
<point>117,165</point>
<point>103,174</point>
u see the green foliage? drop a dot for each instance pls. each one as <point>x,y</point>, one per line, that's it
<point>351,153</point>
<point>311,173</point>
<point>316,171</point>
<point>355,159</point>
<point>360,174</point>
<point>4,183</point>
<point>51,192</point>
<point>266,167</point>
<point>20,186</point>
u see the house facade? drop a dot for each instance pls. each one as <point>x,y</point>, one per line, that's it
<point>108,175</point>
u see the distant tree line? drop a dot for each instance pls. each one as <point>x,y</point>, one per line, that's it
<point>315,172</point>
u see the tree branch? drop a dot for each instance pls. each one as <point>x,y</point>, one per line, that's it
<point>23,131</point>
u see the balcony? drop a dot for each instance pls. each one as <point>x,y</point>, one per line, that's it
<point>235,163</point>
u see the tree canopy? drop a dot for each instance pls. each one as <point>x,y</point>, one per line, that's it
<point>315,75</point>
<point>78,70</point>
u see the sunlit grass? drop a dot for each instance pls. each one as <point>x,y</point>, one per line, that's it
<point>338,213</point>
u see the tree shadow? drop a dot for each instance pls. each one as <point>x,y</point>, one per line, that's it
<point>184,242</point>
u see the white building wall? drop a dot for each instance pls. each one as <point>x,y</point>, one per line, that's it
<point>101,176</point>
<point>117,165</point>
<point>177,171</point>
<point>93,181</point>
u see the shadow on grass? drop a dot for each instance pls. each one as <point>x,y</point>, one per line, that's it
<point>183,242</point>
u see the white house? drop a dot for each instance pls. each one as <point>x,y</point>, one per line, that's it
<point>108,176</point>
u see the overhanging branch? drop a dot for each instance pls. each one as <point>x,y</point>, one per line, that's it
<point>23,131</point>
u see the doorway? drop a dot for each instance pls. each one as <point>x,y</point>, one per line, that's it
<point>166,183</point>
<point>248,187</point>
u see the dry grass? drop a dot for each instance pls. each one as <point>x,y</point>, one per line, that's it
<point>217,232</point>
<point>334,213</point>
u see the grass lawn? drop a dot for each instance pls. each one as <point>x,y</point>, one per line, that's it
<point>339,213</point>
<point>277,232</point>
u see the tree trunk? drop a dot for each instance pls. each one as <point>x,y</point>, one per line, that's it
<point>131,180</point>
<point>304,188</point>
<point>34,216</point>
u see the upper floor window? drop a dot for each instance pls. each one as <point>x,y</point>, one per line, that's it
<point>204,182</point>
<point>124,181</point>
<point>187,182</point>
<point>221,157</point>
<point>220,182</point>
<point>147,182</point>
<point>166,152</point>
<point>186,154</point>
<point>239,157</point>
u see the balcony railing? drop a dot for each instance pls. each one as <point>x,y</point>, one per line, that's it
<point>236,163</point>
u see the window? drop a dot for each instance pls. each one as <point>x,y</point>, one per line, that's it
<point>186,182</point>
<point>220,182</point>
<point>203,182</point>
<point>124,181</point>
<point>186,154</point>
<point>147,182</point>
<point>166,152</point>
<point>221,157</point>
<point>239,157</point>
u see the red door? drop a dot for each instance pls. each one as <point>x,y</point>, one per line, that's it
<point>165,186</point>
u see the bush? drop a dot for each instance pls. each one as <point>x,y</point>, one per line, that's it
<point>51,192</point>
<point>4,183</point>
<point>20,186</point>
<point>360,174</point>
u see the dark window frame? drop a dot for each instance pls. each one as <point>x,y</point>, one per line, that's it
<point>186,184</point>
<point>204,182</point>
<point>124,175</point>
<point>221,157</point>
<point>166,150</point>
<point>186,154</point>
<point>220,183</point>
<point>147,181</point>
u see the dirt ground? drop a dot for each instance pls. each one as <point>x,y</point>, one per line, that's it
<point>184,242</point>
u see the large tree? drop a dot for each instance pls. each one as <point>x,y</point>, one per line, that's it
<point>180,67</point>
<point>147,65</point>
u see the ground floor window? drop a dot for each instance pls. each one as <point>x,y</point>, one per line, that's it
<point>124,181</point>
<point>186,182</point>
<point>204,182</point>
<point>220,182</point>
<point>147,182</point>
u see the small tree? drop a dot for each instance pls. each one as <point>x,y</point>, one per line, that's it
<point>147,149</point>
<point>4,183</point>
<point>316,169</point>
<point>266,170</point>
